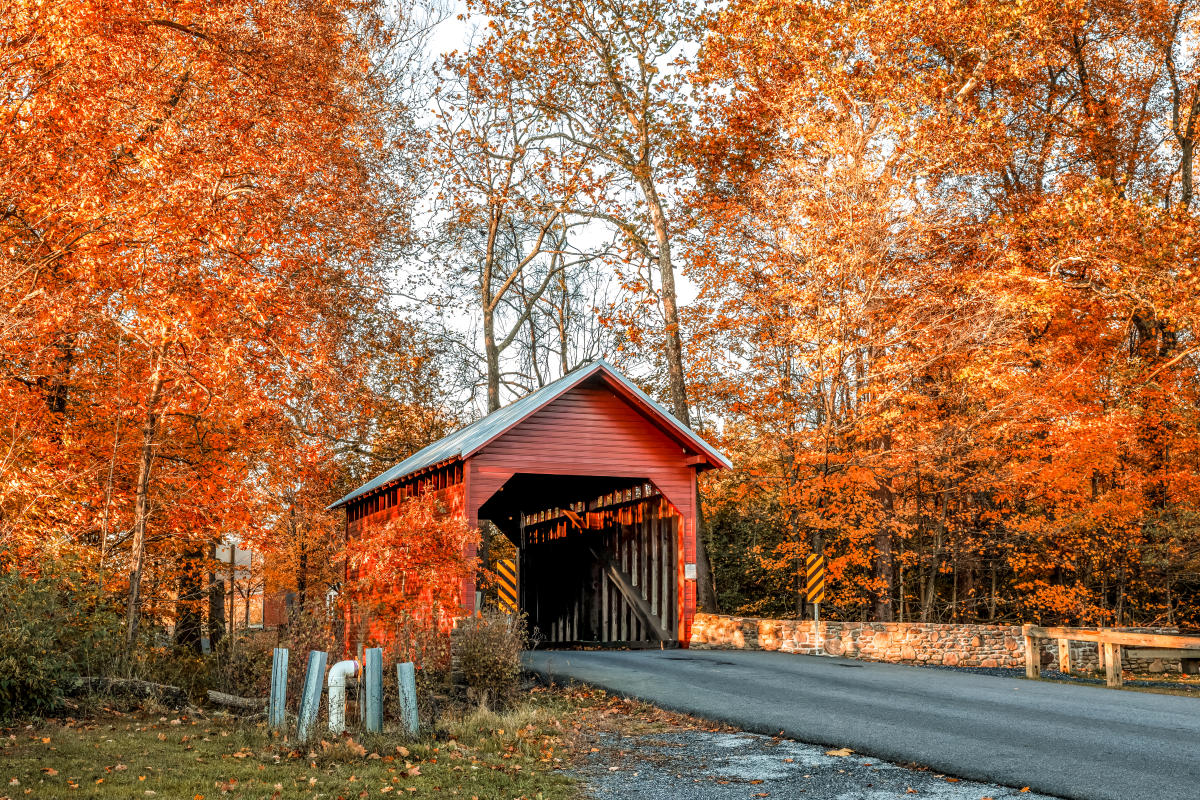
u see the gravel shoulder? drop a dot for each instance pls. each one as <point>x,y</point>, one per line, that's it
<point>723,765</point>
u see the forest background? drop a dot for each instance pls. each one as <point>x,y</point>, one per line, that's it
<point>927,271</point>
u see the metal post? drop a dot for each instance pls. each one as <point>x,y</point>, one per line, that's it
<point>277,704</point>
<point>817,627</point>
<point>310,701</point>
<point>406,676</point>
<point>373,689</point>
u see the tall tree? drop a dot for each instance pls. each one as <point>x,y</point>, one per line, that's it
<point>512,195</point>
<point>194,197</point>
<point>904,255</point>
<point>611,79</point>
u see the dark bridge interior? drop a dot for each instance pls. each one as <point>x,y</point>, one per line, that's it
<point>598,558</point>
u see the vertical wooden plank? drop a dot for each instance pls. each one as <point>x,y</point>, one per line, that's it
<point>654,584</point>
<point>1064,656</point>
<point>1033,656</point>
<point>675,567</point>
<point>622,621</point>
<point>597,586</point>
<point>1099,656</point>
<point>1112,664</point>
<point>668,567</point>
<point>605,635</point>
<point>644,546</point>
<point>635,569</point>
<point>522,605</point>
<point>614,611</point>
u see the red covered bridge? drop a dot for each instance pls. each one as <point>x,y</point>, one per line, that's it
<point>595,484</point>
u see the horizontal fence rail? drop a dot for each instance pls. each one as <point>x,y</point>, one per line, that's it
<point>1109,643</point>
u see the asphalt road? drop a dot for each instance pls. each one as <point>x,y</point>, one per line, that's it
<point>1077,742</point>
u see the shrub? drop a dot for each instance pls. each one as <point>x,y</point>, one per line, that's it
<point>241,665</point>
<point>174,666</point>
<point>53,629</point>
<point>487,653</point>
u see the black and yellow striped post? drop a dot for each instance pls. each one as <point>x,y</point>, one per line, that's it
<point>506,585</point>
<point>814,590</point>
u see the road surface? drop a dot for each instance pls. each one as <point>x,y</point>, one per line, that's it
<point>1077,742</point>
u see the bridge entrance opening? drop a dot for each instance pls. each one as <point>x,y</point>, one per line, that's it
<point>598,560</point>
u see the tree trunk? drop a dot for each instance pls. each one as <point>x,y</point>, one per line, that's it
<point>884,569</point>
<point>676,380</point>
<point>108,486</point>
<point>1187,148</point>
<point>884,562</point>
<point>302,577</point>
<point>706,598</point>
<point>492,358</point>
<point>216,609</point>
<point>232,598</point>
<point>491,351</point>
<point>188,604</point>
<point>216,603</point>
<point>142,501</point>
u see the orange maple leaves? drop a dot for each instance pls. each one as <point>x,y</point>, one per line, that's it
<point>947,299</point>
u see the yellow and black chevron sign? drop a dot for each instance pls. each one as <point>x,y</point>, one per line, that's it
<point>815,585</point>
<point>506,585</point>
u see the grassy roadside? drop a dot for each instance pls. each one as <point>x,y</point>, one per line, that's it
<point>522,753</point>
<point>1157,686</point>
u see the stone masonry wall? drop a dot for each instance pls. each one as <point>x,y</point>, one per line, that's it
<point>900,642</point>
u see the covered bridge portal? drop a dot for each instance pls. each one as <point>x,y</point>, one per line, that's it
<point>595,484</point>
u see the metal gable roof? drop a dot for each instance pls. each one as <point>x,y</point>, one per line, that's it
<point>472,438</point>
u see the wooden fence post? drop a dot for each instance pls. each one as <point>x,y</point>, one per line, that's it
<point>1064,656</point>
<point>1033,655</point>
<point>277,703</point>
<point>1112,664</point>
<point>310,701</point>
<point>373,685</point>
<point>406,676</point>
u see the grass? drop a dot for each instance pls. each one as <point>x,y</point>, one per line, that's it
<point>523,753</point>
<point>1160,683</point>
<point>481,755</point>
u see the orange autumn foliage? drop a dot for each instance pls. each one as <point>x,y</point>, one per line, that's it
<point>196,198</point>
<point>949,304</point>
<point>405,575</point>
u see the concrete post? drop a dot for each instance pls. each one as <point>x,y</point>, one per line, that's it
<point>406,676</point>
<point>277,703</point>
<point>373,690</point>
<point>310,701</point>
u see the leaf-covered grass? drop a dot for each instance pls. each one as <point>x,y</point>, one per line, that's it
<point>517,754</point>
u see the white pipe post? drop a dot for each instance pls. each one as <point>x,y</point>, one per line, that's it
<point>338,674</point>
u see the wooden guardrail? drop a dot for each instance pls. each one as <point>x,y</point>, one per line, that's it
<point>1109,643</point>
